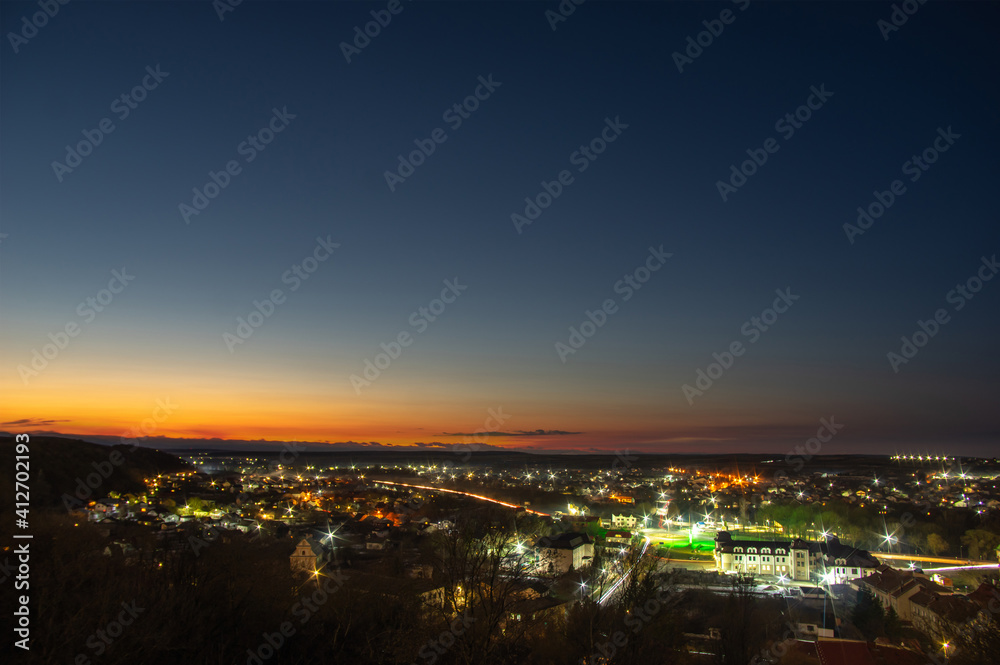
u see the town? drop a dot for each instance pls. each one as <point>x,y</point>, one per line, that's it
<point>894,555</point>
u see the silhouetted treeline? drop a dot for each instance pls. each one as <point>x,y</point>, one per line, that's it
<point>234,599</point>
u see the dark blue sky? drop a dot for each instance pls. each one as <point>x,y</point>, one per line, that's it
<point>496,345</point>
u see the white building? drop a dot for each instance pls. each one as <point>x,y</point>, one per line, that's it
<point>762,557</point>
<point>308,557</point>
<point>624,521</point>
<point>829,561</point>
<point>563,553</point>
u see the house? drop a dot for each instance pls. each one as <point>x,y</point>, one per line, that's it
<point>811,631</point>
<point>420,571</point>
<point>987,597</point>
<point>844,652</point>
<point>895,588</point>
<point>563,553</point>
<point>308,557</point>
<point>830,560</point>
<point>839,562</point>
<point>621,498</point>
<point>540,609</point>
<point>624,521</point>
<point>618,537</point>
<point>790,559</point>
<point>940,616</point>
<point>833,651</point>
<point>108,505</point>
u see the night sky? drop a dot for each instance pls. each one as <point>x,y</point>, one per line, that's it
<point>309,215</point>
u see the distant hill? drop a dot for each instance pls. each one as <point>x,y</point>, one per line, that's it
<point>58,465</point>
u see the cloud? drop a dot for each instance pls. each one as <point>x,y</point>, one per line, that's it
<point>31,422</point>
<point>180,444</point>
<point>519,432</point>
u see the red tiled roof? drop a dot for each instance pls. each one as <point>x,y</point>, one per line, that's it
<point>984,594</point>
<point>898,583</point>
<point>895,656</point>
<point>838,652</point>
<point>954,609</point>
<point>923,598</point>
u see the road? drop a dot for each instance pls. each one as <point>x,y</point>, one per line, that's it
<point>624,577</point>
<point>930,559</point>
<point>474,496</point>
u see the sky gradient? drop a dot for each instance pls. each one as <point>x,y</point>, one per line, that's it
<point>188,279</point>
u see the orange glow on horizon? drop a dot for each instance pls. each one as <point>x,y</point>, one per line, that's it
<point>264,404</point>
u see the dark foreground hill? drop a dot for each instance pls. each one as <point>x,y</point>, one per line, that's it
<point>58,466</point>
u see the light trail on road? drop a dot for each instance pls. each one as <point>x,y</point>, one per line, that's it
<point>474,496</point>
<point>932,559</point>
<point>992,566</point>
<point>625,576</point>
